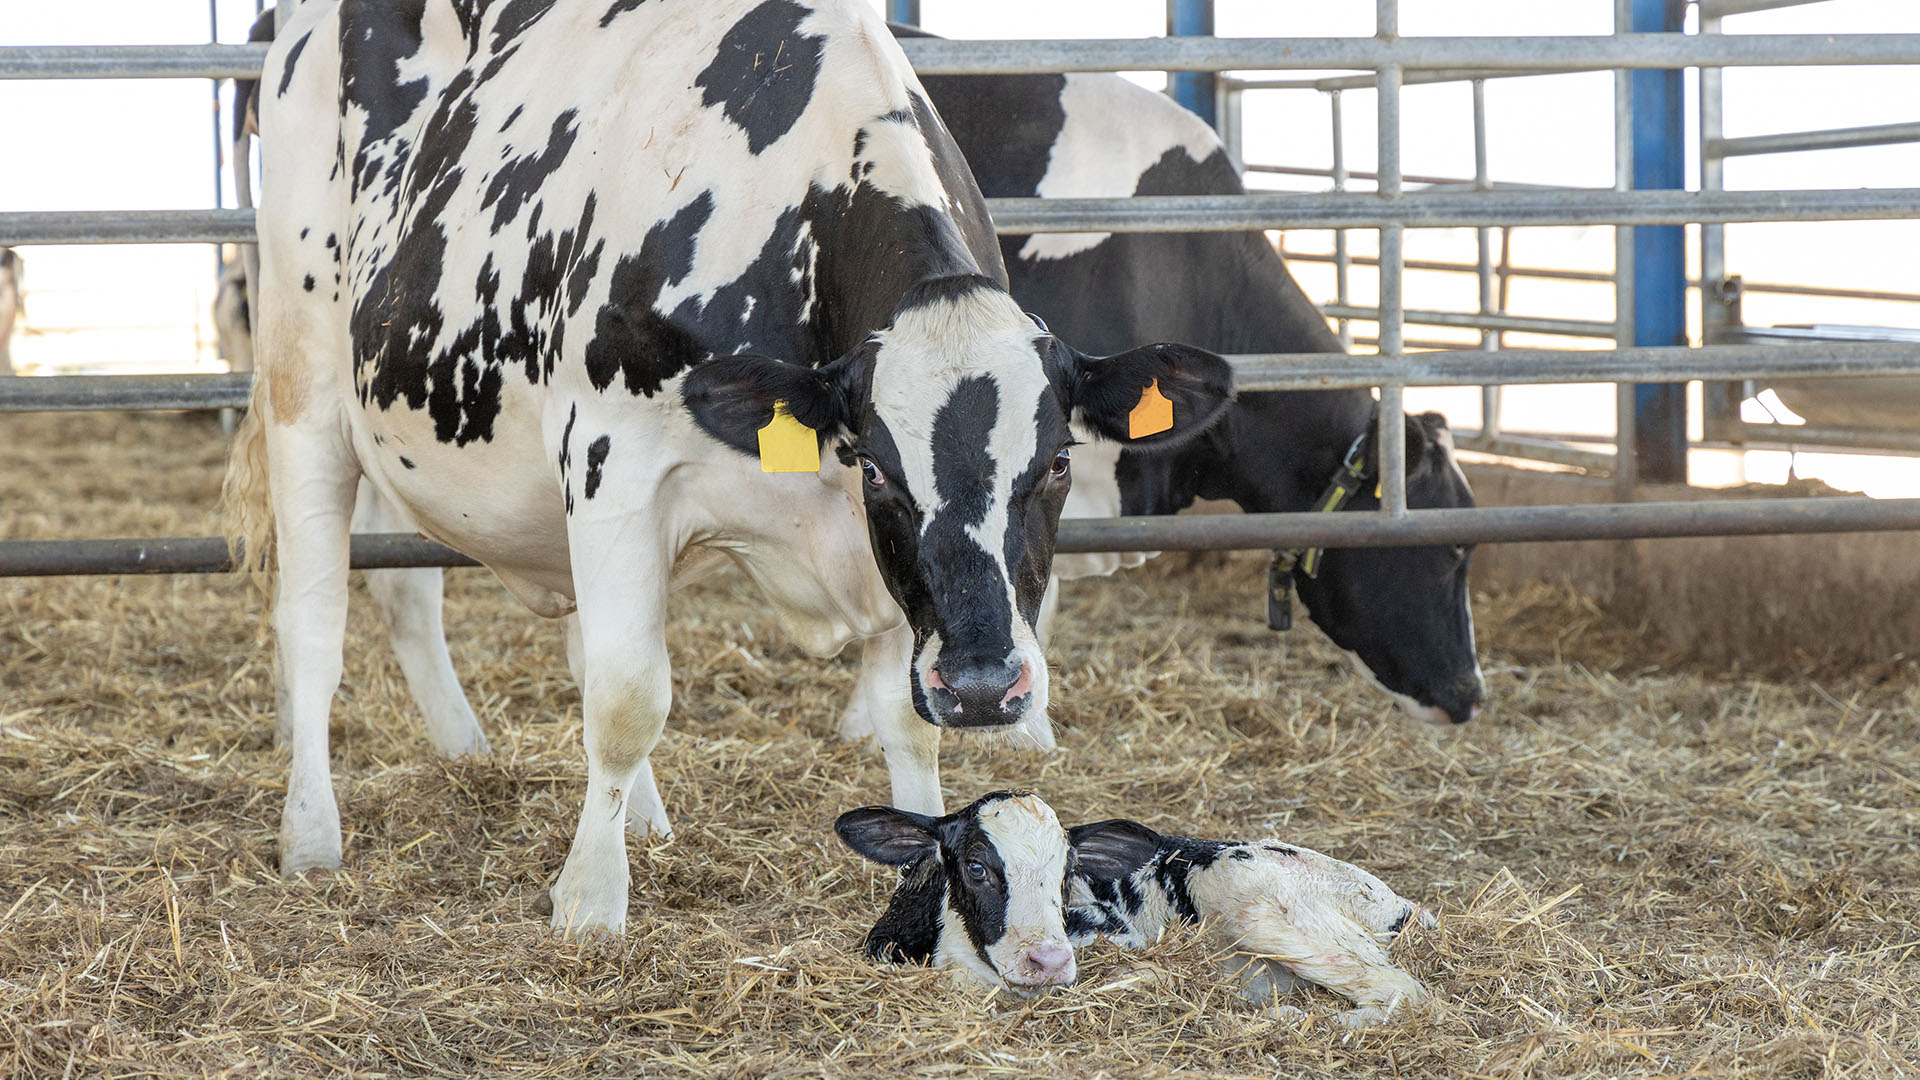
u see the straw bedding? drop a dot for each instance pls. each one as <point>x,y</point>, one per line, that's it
<point>1643,868</point>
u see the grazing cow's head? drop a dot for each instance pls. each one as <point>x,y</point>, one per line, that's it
<point>981,890</point>
<point>957,417</point>
<point>1404,613</point>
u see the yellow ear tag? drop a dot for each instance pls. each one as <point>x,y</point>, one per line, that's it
<point>787,445</point>
<point>1152,416</point>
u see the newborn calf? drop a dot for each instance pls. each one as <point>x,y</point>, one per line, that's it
<point>982,891</point>
<point>1286,911</point>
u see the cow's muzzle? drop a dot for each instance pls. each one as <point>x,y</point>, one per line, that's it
<point>973,692</point>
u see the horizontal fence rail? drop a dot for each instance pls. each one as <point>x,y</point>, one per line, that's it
<point>1251,372</point>
<point>1204,532</point>
<point>934,56</point>
<point>1167,213</point>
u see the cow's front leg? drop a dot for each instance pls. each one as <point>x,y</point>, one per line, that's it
<point>410,603</point>
<point>626,689</point>
<point>911,745</point>
<point>646,814</point>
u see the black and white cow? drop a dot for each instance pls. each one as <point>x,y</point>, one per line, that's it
<point>13,276</point>
<point>1403,612</point>
<point>563,270</point>
<point>977,883</point>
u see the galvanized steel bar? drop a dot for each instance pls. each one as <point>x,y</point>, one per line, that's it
<point>1489,323</point>
<point>936,56</point>
<point>1813,436</point>
<point>82,393</point>
<point>1210,532</point>
<point>1719,9</point>
<point>1164,213</point>
<point>1626,472</point>
<point>1342,260</point>
<point>1490,340</point>
<point>1252,372</point>
<point>126,227</point>
<point>1796,141</point>
<point>1390,440</point>
<point>1410,78</point>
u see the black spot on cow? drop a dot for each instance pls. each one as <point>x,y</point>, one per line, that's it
<point>308,283</point>
<point>408,462</point>
<point>376,36</point>
<point>519,179</point>
<point>1280,849</point>
<point>963,470</point>
<point>763,73</point>
<point>293,57</point>
<point>512,116</point>
<point>617,9</point>
<point>304,232</point>
<point>630,338</point>
<point>566,455</point>
<point>515,17</point>
<point>332,242</point>
<point>1241,854</point>
<point>596,457</point>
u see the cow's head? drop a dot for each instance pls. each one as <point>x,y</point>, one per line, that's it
<point>1404,612</point>
<point>956,416</point>
<point>981,890</point>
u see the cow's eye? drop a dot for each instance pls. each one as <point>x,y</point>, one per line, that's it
<point>1061,461</point>
<point>977,871</point>
<point>871,470</point>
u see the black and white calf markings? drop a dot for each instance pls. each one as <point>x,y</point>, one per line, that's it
<point>982,892</point>
<point>559,268</point>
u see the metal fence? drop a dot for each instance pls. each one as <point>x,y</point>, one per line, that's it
<point>1390,62</point>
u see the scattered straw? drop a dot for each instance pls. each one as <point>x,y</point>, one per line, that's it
<point>1642,869</point>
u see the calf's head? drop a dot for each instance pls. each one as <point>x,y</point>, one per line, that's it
<point>1404,613</point>
<point>981,890</point>
<point>956,416</point>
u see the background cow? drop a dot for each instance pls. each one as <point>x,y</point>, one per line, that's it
<point>494,294</point>
<point>1403,612</point>
<point>12,301</point>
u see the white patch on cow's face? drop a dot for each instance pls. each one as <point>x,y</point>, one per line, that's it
<point>1033,853</point>
<point>1106,146</point>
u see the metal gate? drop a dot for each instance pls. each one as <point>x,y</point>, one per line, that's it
<point>1390,62</point>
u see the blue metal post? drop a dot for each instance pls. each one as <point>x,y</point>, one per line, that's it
<point>1194,90</point>
<point>905,12</point>
<point>1660,252</point>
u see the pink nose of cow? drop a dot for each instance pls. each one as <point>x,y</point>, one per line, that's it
<point>1048,965</point>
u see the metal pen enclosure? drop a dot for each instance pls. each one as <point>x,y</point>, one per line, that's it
<point>1393,62</point>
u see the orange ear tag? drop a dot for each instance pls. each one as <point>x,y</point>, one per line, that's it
<point>787,445</point>
<point>1152,416</point>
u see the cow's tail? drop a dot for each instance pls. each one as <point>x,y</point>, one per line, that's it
<point>245,497</point>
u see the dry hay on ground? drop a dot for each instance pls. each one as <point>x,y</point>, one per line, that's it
<point>1641,871</point>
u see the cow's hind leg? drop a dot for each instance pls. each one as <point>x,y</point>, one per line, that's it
<point>313,472</point>
<point>410,604</point>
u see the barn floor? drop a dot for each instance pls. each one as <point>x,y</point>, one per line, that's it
<point>1643,868</point>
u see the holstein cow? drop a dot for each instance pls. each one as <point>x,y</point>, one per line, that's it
<point>1402,612</point>
<point>571,278</point>
<point>992,890</point>
<point>12,299</point>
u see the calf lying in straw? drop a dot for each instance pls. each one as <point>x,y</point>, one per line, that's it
<point>998,890</point>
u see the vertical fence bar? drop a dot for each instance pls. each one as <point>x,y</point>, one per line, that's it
<point>1660,252</point>
<point>1342,259</point>
<point>1626,470</point>
<point>904,12</point>
<point>219,135</point>
<point>1720,401</point>
<point>1483,264</point>
<point>1194,90</point>
<point>1392,439</point>
<point>1228,96</point>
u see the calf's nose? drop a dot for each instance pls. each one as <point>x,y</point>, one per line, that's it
<point>1049,965</point>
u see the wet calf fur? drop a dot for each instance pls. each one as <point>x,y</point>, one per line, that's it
<point>1281,911</point>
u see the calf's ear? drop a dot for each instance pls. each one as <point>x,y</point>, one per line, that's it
<point>1117,396</point>
<point>886,835</point>
<point>733,397</point>
<point>1113,849</point>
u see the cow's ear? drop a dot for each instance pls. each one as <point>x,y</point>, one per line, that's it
<point>733,397</point>
<point>886,835</point>
<point>1113,849</point>
<point>1116,395</point>
<point>1423,438</point>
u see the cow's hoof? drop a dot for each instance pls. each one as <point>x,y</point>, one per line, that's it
<point>297,859</point>
<point>588,908</point>
<point>470,743</point>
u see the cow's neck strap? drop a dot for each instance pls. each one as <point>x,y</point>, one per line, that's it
<point>1347,481</point>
